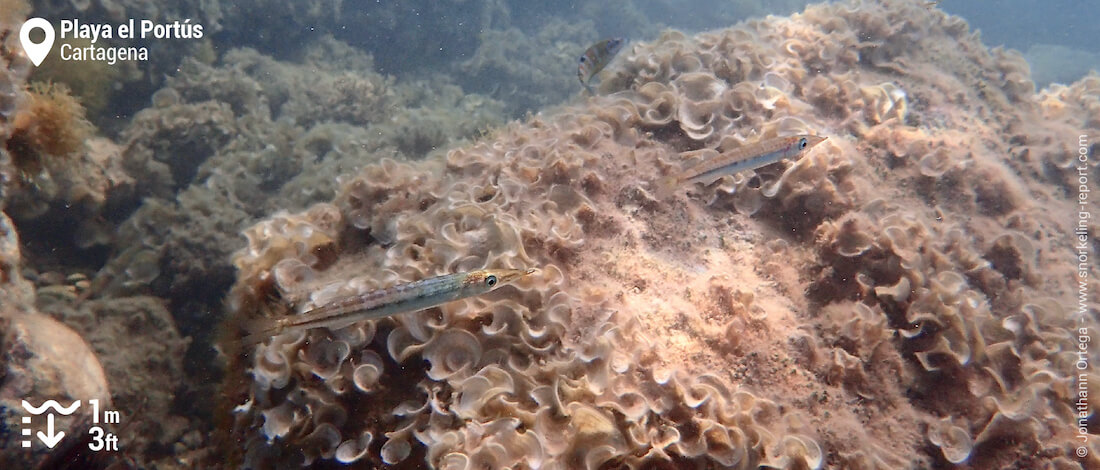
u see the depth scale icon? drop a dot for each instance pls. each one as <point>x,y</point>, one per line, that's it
<point>49,438</point>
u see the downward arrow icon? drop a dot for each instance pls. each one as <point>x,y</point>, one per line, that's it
<point>49,438</point>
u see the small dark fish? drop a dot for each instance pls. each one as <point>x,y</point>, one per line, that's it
<point>596,58</point>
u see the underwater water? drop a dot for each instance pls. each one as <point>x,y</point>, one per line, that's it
<point>559,235</point>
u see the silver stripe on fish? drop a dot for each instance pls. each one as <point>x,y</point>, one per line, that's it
<point>746,157</point>
<point>393,300</point>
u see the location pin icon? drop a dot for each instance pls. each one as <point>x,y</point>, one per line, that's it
<point>37,52</point>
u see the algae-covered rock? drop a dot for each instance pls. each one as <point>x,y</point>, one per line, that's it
<point>42,359</point>
<point>144,374</point>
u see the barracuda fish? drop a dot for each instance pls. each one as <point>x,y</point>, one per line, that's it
<point>401,298</point>
<point>746,157</point>
<point>596,58</point>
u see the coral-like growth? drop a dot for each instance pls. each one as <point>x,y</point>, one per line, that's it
<point>650,337</point>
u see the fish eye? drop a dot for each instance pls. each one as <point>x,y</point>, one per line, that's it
<point>490,280</point>
<point>802,143</point>
<point>582,59</point>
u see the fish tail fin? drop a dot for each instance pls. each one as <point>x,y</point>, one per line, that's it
<point>257,330</point>
<point>666,186</point>
<point>270,323</point>
<point>588,87</point>
<point>237,335</point>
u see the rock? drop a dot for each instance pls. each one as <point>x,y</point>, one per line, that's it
<point>42,360</point>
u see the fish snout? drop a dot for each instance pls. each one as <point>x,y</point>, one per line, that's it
<point>812,140</point>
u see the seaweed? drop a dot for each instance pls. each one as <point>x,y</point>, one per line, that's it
<point>51,126</point>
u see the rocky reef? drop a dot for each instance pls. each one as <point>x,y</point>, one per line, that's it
<point>41,359</point>
<point>896,298</point>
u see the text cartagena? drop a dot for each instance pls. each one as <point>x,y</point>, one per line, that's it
<point>144,29</point>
